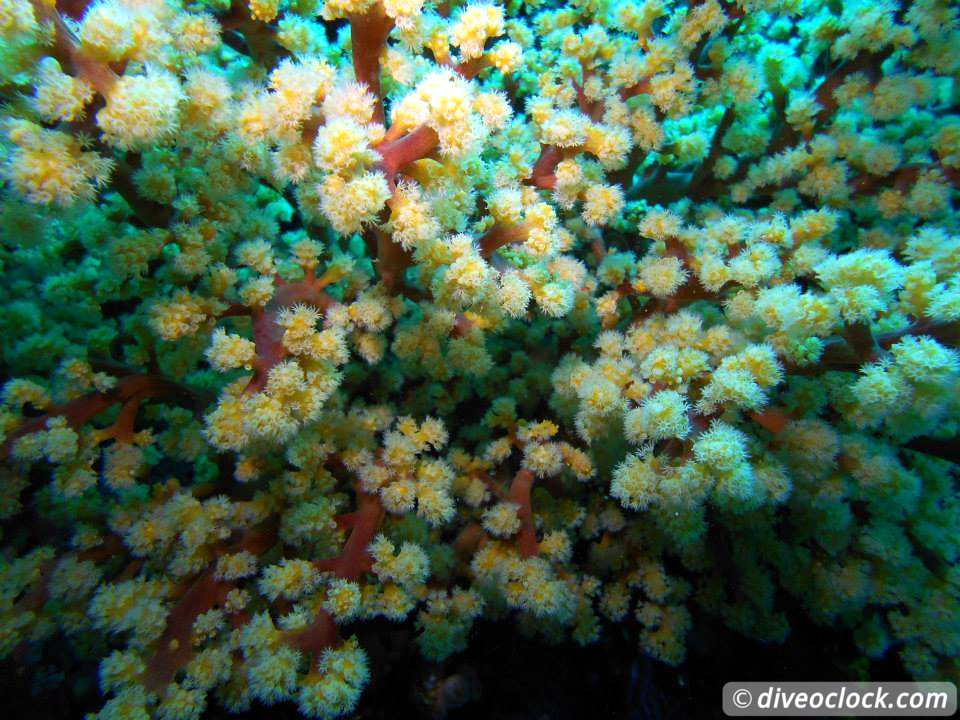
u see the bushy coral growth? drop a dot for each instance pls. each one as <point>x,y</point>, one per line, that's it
<point>572,316</point>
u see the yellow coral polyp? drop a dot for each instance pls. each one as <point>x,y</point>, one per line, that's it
<point>141,109</point>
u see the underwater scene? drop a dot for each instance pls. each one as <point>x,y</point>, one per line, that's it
<point>502,359</point>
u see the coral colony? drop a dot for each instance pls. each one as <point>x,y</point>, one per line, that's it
<point>571,317</point>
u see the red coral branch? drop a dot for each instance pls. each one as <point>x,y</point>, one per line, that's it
<point>543,175</point>
<point>772,419</point>
<point>175,649</point>
<point>350,564</point>
<point>392,260</point>
<point>469,539</point>
<point>395,154</point>
<point>639,88</point>
<point>902,179</point>
<point>851,349</point>
<point>716,148</point>
<point>129,392</point>
<point>591,108</point>
<point>865,61</point>
<point>501,235</point>
<point>691,291</point>
<point>520,490</point>
<point>469,69</point>
<point>363,525</point>
<point>67,50</point>
<point>268,334</point>
<point>368,36</point>
<point>462,326</point>
<point>946,333</point>
<point>319,636</point>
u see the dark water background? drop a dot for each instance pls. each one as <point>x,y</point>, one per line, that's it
<point>505,676</point>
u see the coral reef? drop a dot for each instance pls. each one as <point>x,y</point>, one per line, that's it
<point>569,317</point>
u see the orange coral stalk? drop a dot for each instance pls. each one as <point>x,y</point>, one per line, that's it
<point>592,109</point>
<point>716,148</point>
<point>67,48</point>
<point>321,635</point>
<point>772,419</point>
<point>865,62</point>
<point>129,391</point>
<point>542,175</point>
<point>363,524</point>
<point>175,648</point>
<point>350,564</point>
<point>638,89</point>
<point>397,154</point>
<point>520,494</point>
<point>501,235</point>
<point>368,35</point>
<point>267,333</point>
<point>471,68</point>
<point>392,260</point>
<point>469,539</point>
<point>462,326</point>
